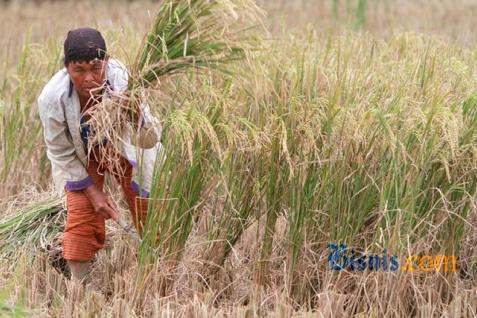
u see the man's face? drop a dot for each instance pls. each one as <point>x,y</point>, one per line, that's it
<point>87,77</point>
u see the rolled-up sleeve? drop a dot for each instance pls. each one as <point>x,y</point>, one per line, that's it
<point>60,149</point>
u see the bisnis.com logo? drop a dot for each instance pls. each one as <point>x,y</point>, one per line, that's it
<point>342,258</point>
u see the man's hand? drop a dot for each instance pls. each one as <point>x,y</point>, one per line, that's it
<point>101,203</point>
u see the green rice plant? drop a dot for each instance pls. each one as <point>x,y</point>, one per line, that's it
<point>426,181</point>
<point>19,110</point>
<point>303,196</point>
<point>179,181</point>
<point>15,118</point>
<point>237,197</point>
<point>275,173</point>
<point>35,226</point>
<point>469,112</point>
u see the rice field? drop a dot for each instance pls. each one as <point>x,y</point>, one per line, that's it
<point>344,122</point>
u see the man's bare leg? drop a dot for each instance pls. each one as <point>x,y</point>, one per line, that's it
<point>79,270</point>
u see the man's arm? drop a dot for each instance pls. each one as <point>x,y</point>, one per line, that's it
<point>60,151</point>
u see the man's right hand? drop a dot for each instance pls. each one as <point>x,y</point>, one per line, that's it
<point>101,203</point>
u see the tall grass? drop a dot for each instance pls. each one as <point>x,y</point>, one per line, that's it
<point>20,145</point>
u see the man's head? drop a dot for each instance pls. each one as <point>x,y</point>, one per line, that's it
<point>86,60</point>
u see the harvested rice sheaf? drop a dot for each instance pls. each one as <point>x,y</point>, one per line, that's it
<point>186,35</point>
<point>35,226</point>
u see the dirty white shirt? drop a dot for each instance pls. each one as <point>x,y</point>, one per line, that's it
<point>59,110</point>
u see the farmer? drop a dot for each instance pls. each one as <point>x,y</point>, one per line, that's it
<point>89,76</point>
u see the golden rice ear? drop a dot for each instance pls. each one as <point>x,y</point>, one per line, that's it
<point>145,138</point>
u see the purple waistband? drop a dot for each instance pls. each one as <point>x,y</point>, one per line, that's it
<point>142,193</point>
<point>79,185</point>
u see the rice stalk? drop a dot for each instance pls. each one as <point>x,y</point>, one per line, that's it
<point>276,173</point>
<point>303,196</point>
<point>178,184</point>
<point>35,226</point>
<point>231,216</point>
<point>197,34</point>
<point>193,34</point>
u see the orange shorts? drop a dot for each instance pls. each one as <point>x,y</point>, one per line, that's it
<point>84,233</point>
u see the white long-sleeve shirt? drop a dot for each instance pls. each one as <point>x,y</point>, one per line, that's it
<point>59,110</point>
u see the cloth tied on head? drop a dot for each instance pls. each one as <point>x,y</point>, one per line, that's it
<point>84,44</point>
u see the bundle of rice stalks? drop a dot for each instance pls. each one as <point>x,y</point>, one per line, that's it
<point>193,34</point>
<point>35,226</point>
<point>187,34</point>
